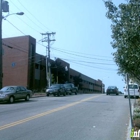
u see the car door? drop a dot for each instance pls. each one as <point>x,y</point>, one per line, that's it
<point>23,92</point>
<point>62,89</point>
<point>18,93</point>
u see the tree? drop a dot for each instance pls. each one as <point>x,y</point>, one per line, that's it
<point>126,36</point>
<point>59,71</point>
<point>77,81</point>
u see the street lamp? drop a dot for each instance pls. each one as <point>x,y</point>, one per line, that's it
<point>2,17</point>
<point>19,13</point>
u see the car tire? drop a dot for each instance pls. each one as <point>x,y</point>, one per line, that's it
<point>124,96</point>
<point>47,94</point>
<point>11,100</point>
<point>75,93</point>
<point>64,94</point>
<point>27,98</point>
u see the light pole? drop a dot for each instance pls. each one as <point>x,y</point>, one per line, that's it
<point>3,17</point>
<point>1,74</point>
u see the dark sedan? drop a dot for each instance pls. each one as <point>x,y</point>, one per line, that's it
<point>56,89</point>
<point>12,93</point>
<point>70,88</point>
<point>112,90</point>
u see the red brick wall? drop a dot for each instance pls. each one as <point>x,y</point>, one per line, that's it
<point>15,61</point>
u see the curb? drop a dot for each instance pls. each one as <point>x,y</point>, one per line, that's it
<point>129,126</point>
<point>35,95</point>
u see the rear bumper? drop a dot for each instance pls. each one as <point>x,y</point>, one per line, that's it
<point>112,93</point>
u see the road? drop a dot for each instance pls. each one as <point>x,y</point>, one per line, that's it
<point>75,117</point>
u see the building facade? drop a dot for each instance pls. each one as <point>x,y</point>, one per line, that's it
<point>23,66</point>
<point>19,61</point>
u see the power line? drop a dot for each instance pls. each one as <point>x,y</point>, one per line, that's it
<point>15,27</point>
<point>86,62</point>
<point>28,25</point>
<point>27,16</point>
<point>32,15</point>
<point>80,55</point>
<point>94,67</point>
<point>9,46</point>
<point>79,52</point>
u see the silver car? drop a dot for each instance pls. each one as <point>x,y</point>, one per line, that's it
<point>12,93</point>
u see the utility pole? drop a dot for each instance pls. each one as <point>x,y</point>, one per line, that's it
<point>48,65</point>
<point>4,7</point>
<point>1,44</point>
<point>130,110</point>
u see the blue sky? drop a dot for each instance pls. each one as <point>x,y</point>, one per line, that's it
<point>83,33</point>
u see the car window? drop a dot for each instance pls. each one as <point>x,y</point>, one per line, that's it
<point>22,88</point>
<point>18,89</point>
<point>66,85</point>
<point>7,89</point>
<point>112,87</point>
<point>133,86</point>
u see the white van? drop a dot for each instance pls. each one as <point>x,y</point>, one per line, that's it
<point>133,91</point>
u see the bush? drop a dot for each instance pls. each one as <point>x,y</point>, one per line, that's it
<point>136,122</point>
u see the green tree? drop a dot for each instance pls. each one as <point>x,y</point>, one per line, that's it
<point>126,36</point>
<point>77,81</point>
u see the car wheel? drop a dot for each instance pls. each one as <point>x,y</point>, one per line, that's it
<point>47,94</point>
<point>27,98</point>
<point>64,94</point>
<point>75,93</point>
<point>11,99</point>
<point>124,96</point>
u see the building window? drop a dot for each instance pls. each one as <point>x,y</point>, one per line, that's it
<point>36,66</point>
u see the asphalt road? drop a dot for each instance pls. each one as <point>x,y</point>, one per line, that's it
<point>75,117</point>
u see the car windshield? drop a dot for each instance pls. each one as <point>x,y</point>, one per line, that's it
<point>8,89</point>
<point>54,86</point>
<point>111,87</point>
<point>65,85</point>
<point>133,86</point>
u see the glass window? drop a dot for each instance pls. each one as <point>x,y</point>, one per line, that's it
<point>22,88</point>
<point>133,86</point>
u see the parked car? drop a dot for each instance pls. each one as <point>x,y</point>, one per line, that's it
<point>56,89</point>
<point>133,91</point>
<point>112,90</point>
<point>12,93</point>
<point>70,88</point>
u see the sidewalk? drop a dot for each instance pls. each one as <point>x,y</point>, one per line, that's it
<point>39,94</point>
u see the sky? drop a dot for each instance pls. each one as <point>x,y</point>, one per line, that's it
<point>83,34</point>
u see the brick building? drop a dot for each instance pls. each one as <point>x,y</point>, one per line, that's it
<point>23,66</point>
<point>18,61</point>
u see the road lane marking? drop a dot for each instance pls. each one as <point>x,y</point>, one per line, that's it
<point>45,113</point>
